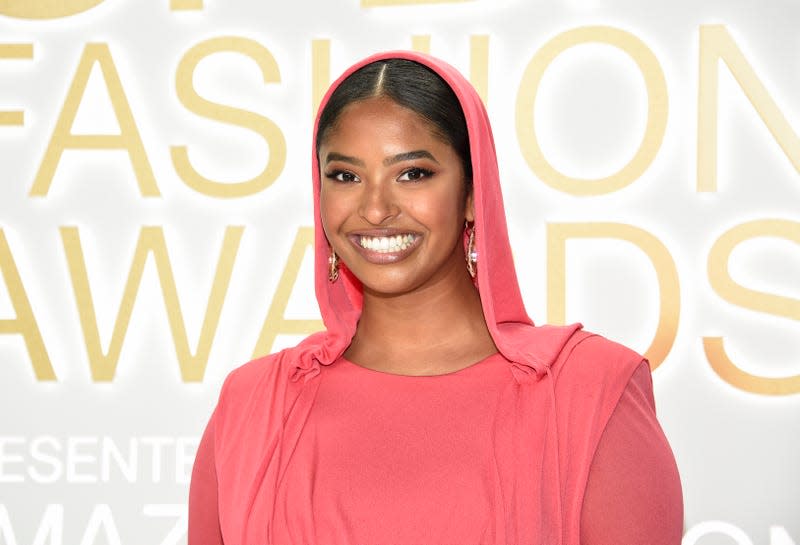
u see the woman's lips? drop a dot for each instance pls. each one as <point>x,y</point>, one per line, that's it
<point>385,248</point>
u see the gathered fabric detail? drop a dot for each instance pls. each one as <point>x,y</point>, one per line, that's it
<point>524,373</point>
<point>320,349</point>
<point>305,372</point>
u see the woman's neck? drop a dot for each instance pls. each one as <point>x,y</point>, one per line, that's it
<point>426,332</point>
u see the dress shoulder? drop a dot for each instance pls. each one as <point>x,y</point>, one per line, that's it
<point>254,373</point>
<point>589,358</point>
<point>265,376</point>
<point>256,396</point>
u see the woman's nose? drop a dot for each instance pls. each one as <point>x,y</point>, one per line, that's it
<point>377,203</point>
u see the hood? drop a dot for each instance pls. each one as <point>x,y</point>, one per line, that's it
<point>531,350</point>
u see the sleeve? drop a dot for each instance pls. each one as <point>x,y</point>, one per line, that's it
<point>204,528</point>
<point>633,493</point>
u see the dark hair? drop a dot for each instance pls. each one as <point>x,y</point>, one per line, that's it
<point>413,86</point>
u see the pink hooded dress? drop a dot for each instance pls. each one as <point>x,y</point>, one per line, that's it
<point>553,440</point>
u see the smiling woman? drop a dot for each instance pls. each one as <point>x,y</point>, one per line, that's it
<point>393,203</point>
<point>431,410</point>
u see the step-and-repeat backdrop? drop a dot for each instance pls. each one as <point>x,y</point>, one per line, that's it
<point>155,213</point>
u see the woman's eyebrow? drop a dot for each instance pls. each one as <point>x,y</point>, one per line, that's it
<point>334,156</point>
<point>409,155</point>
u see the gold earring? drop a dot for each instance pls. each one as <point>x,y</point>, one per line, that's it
<point>333,267</point>
<point>472,253</point>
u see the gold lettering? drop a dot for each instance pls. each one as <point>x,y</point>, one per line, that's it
<point>14,51</point>
<point>25,323</point>
<point>181,5</point>
<point>151,241</point>
<point>728,371</point>
<point>45,9</point>
<point>320,72</point>
<point>264,127</point>
<point>128,138</point>
<point>12,118</point>
<point>656,116</point>
<point>666,273</point>
<point>716,43</point>
<point>422,43</point>
<point>733,292</point>
<point>275,324</point>
<point>479,65</point>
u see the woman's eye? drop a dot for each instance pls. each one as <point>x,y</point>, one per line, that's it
<point>414,174</point>
<point>342,176</point>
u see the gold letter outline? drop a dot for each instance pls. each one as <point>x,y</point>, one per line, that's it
<point>664,265</point>
<point>128,138</point>
<point>259,124</point>
<point>656,115</point>
<point>14,51</point>
<point>151,240</point>
<point>716,43</point>
<point>25,322</point>
<point>733,292</point>
<point>275,323</point>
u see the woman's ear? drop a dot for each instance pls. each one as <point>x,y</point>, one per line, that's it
<point>469,206</point>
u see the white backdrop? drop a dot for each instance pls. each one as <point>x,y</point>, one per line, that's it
<point>155,206</point>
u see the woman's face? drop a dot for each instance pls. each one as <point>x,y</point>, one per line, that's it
<point>392,198</point>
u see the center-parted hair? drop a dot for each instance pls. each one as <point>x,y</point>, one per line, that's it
<point>411,85</point>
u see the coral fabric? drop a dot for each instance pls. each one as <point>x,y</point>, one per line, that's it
<point>306,447</point>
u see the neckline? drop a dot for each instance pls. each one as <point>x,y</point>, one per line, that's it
<point>464,370</point>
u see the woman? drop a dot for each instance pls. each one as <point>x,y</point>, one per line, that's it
<point>431,410</point>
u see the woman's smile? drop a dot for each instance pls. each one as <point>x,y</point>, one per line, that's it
<point>385,247</point>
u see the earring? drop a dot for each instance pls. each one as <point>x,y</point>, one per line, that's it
<point>472,253</point>
<point>333,267</point>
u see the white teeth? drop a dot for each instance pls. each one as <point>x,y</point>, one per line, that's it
<point>386,245</point>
